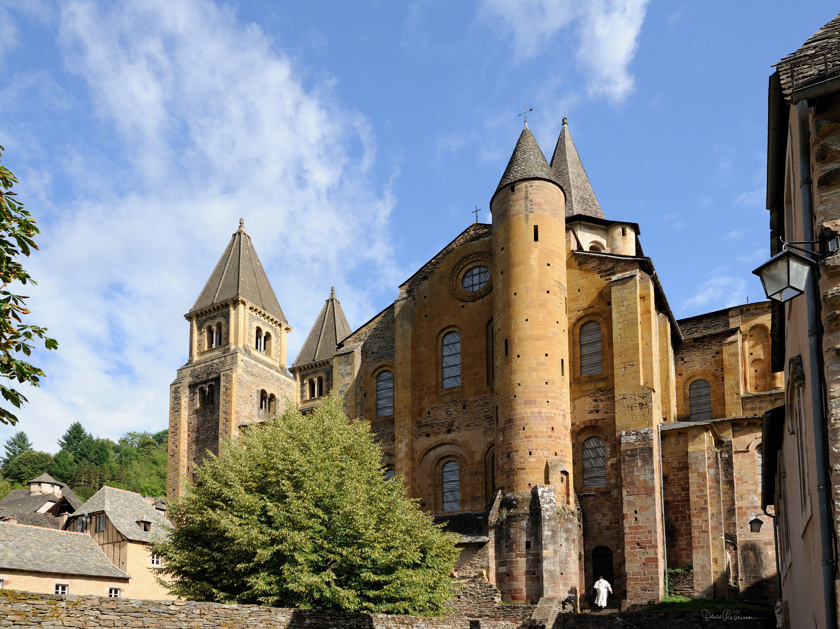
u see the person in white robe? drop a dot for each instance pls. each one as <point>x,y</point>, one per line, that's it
<point>602,587</point>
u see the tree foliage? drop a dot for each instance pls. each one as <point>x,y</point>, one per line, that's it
<point>137,462</point>
<point>17,239</point>
<point>18,443</point>
<point>297,513</point>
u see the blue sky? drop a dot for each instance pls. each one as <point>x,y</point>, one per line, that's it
<point>355,139</point>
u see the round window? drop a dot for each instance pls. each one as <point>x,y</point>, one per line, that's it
<point>475,278</point>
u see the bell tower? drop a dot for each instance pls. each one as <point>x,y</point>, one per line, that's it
<point>236,372</point>
<point>537,544</point>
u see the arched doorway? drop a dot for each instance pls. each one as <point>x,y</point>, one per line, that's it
<point>602,565</point>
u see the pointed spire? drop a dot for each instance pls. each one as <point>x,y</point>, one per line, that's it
<point>527,162</point>
<point>329,330</point>
<point>239,274</point>
<point>568,169</point>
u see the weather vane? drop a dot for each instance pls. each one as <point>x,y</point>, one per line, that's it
<point>525,111</point>
<point>476,211</point>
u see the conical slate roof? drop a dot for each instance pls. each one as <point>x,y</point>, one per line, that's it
<point>239,274</point>
<point>817,59</point>
<point>527,162</point>
<point>567,167</point>
<point>45,478</point>
<point>330,328</point>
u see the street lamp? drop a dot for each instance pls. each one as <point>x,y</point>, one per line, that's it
<point>785,274</point>
<point>755,525</point>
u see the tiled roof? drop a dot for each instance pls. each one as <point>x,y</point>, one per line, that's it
<point>566,164</point>
<point>123,509</point>
<point>45,478</point>
<point>20,500</point>
<point>239,274</point>
<point>330,327</point>
<point>818,59</point>
<point>48,550</point>
<point>35,519</point>
<point>526,162</point>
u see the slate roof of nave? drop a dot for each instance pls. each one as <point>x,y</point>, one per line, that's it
<point>816,60</point>
<point>124,509</point>
<point>329,329</point>
<point>240,274</point>
<point>526,162</point>
<point>569,171</point>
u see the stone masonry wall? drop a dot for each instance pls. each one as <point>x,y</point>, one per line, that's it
<point>18,609</point>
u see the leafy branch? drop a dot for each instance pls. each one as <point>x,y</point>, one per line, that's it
<point>17,240</point>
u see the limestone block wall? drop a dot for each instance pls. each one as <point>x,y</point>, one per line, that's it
<point>702,357</point>
<point>433,424</point>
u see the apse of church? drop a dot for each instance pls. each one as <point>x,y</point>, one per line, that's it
<point>532,388</point>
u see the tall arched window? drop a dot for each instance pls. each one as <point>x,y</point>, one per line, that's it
<point>385,394</point>
<point>699,400</point>
<point>594,460</point>
<point>258,340</point>
<point>272,403</point>
<point>451,486</point>
<point>450,352</point>
<point>218,334</point>
<point>263,400</point>
<point>266,344</point>
<point>319,389</point>
<point>590,349</point>
<point>212,337</point>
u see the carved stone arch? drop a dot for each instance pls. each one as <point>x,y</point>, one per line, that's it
<point>370,388</point>
<point>580,436</point>
<point>715,380</point>
<point>602,317</point>
<point>431,467</point>
<point>439,352</point>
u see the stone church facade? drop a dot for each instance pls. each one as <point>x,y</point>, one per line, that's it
<point>533,390</point>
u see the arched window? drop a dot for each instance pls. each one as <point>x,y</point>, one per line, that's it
<point>390,473</point>
<point>258,340</point>
<point>200,398</point>
<point>266,344</point>
<point>211,337</point>
<point>595,247</point>
<point>451,486</point>
<point>699,400</point>
<point>594,460</point>
<point>385,394</point>
<point>320,388</point>
<point>590,349</point>
<point>218,334</point>
<point>263,400</point>
<point>450,352</point>
<point>272,403</point>
<point>210,395</point>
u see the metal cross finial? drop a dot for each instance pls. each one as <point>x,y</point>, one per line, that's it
<point>525,111</point>
<point>476,211</point>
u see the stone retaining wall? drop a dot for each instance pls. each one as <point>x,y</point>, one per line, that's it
<point>23,609</point>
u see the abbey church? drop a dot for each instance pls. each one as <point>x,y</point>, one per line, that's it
<point>533,390</point>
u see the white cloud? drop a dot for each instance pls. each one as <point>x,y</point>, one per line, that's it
<point>719,291</point>
<point>8,32</point>
<point>751,198</point>
<point>607,32</point>
<point>210,123</point>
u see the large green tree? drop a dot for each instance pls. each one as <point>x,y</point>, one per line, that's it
<point>17,240</point>
<point>297,513</point>
<point>18,443</point>
<point>27,465</point>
